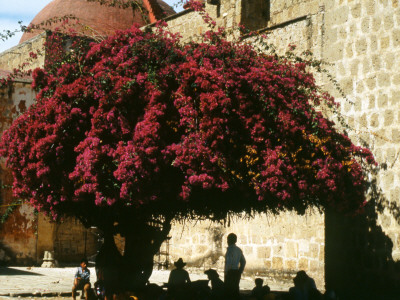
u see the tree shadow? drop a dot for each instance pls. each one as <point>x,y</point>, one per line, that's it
<point>8,271</point>
<point>358,254</point>
<point>7,256</point>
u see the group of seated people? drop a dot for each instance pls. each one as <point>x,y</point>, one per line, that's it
<point>304,287</point>
<point>180,287</point>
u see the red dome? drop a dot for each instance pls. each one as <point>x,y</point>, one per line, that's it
<point>95,19</point>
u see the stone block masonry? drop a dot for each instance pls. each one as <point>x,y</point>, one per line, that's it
<point>275,247</point>
<point>365,53</point>
<point>16,56</point>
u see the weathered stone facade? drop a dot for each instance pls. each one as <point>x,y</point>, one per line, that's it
<point>361,40</point>
<point>69,240</point>
<point>18,233</point>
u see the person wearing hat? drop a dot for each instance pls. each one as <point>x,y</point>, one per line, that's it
<point>178,279</point>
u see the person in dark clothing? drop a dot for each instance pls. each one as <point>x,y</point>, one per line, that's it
<point>260,291</point>
<point>178,280</point>
<point>217,285</point>
<point>304,288</point>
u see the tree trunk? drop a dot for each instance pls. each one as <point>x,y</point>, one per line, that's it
<point>142,242</point>
<point>108,265</point>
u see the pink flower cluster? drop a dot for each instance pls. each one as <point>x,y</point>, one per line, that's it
<point>144,121</point>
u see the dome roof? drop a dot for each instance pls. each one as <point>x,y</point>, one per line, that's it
<point>94,19</point>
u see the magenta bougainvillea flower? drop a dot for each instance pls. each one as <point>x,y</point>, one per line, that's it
<point>143,122</point>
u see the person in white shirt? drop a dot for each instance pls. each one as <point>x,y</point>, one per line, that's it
<point>234,266</point>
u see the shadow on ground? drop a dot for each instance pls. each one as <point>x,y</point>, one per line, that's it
<point>7,271</point>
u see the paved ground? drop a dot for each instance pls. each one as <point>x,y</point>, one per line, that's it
<point>55,282</point>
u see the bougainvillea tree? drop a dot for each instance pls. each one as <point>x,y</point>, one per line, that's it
<point>142,129</point>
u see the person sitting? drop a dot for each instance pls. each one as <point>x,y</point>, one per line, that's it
<point>304,287</point>
<point>217,285</point>
<point>314,294</point>
<point>82,280</point>
<point>296,292</point>
<point>259,291</point>
<point>178,280</point>
<point>307,281</point>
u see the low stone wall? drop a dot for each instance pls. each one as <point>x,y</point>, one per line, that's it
<point>275,247</point>
<point>16,56</point>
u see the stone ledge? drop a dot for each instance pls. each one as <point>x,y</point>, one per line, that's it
<point>37,294</point>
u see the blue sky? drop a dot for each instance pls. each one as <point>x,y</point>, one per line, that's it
<point>23,10</point>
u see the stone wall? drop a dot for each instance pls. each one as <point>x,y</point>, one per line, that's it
<point>18,232</point>
<point>275,247</point>
<point>69,240</point>
<point>18,236</point>
<point>361,40</point>
<point>191,25</point>
<point>73,241</point>
<point>363,43</point>
<point>16,56</point>
<point>285,10</point>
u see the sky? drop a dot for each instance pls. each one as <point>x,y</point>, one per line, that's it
<point>24,10</point>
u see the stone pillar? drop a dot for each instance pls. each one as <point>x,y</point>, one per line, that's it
<point>48,260</point>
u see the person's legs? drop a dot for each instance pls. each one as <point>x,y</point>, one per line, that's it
<point>236,281</point>
<point>232,280</point>
<point>86,290</point>
<point>76,286</point>
<point>229,283</point>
